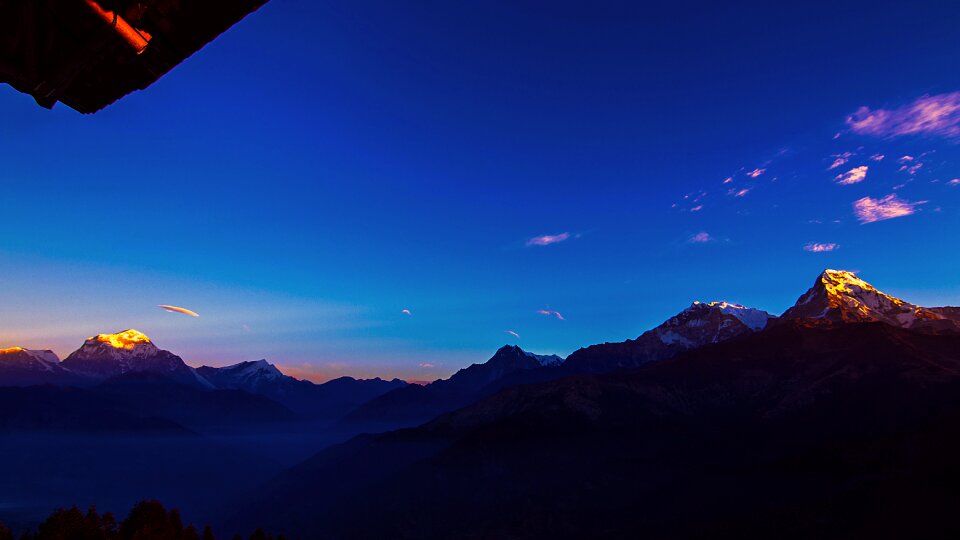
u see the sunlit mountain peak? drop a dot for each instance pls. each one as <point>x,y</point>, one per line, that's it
<point>128,339</point>
<point>841,296</point>
<point>839,283</point>
<point>20,355</point>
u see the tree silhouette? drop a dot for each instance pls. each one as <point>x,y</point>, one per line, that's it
<point>148,520</point>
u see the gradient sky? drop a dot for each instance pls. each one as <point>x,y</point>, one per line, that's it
<point>552,169</point>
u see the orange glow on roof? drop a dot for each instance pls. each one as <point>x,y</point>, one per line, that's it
<point>122,340</point>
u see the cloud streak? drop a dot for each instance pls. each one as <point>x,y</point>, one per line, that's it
<point>937,115</point>
<point>512,333</point>
<point>816,247</point>
<point>869,210</point>
<point>853,176</point>
<point>840,160</point>
<point>701,237</point>
<point>549,313</point>
<point>756,172</point>
<point>406,312</point>
<point>175,309</point>
<point>548,239</point>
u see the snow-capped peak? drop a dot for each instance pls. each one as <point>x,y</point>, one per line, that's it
<point>258,368</point>
<point>710,322</point>
<point>546,360</point>
<point>841,296</point>
<point>755,319</point>
<point>128,339</point>
<point>127,344</point>
<point>44,358</point>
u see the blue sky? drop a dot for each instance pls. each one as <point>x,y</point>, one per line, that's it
<point>323,166</point>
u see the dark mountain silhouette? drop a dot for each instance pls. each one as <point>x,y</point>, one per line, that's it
<point>698,325</point>
<point>327,401</point>
<point>798,431</point>
<point>134,402</point>
<point>152,394</point>
<point>414,404</point>
<point>74,410</point>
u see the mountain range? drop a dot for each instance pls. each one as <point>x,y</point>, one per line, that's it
<point>328,401</point>
<point>375,404</point>
<point>723,421</point>
<point>156,382</point>
<point>818,424</point>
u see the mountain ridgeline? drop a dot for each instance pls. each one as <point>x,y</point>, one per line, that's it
<point>723,421</point>
<point>837,420</point>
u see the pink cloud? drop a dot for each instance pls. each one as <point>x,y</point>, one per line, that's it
<point>728,180</point>
<point>697,208</point>
<point>741,192</point>
<point>928,115</point>
<point>700,238</point>
<point>877,157</point>
<point>547,239</point>
<point>954,182</point>
<point>426,365</point>
<point>911,169</point>
<point>854,175</point>
<point>549,313</point>
<point>756,172</point>
<point>869,210</point>
<point>406,312</point>
<point>905,159</point>
<point>839,160</point>
<point>175,309</point>
<point>512,333</point>
<point>816,247</point>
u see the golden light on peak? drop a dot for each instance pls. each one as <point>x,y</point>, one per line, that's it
<point>11,350</point>
<point>127,339</point>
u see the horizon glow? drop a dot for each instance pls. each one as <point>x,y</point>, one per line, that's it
<point>409,189</point>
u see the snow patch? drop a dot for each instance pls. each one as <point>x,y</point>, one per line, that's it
<point>755,319</point>
<point>545,360</point>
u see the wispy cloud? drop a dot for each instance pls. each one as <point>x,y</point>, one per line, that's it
<point>954,182</point>
<point>839,160</point>
<point>817,247</point>
<point>697,208</point>
<point>406,312</point>
<point>877,157</point>
<point>937,115</point>
<point>426,365</point>
<point>512,333</point>
<point>912,169</point>
<point>869,210</point>
<point>739,192</point>
<point>905,159</point>
<point>728,180</point>
<point>700,238</point>
<point>175,309</point>
<point>547,239</point>
<point>550,313</point>
<point>756,172</point>
<point>854,175</point>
